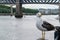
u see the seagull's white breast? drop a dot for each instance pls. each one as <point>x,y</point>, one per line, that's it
<point>39,24</point>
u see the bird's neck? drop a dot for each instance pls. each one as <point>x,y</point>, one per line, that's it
<point>39,18</point>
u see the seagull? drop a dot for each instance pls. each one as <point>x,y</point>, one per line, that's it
<point>43,25</point>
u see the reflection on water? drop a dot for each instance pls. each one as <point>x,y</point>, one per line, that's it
<point>20,29</point>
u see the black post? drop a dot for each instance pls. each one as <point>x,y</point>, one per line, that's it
<point>59,12</point>
<point>57,32</point>
<point>18,9</point>
<point>59,15</point>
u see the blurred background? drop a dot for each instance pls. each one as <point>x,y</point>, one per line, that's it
<point>31,9</point>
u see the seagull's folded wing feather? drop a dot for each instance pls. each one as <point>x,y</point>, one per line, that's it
<point>48,26</point>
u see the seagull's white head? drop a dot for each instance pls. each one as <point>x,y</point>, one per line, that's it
<point>39,14</point>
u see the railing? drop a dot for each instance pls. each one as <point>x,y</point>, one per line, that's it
<point>40,1</point>
<point>30,1</point>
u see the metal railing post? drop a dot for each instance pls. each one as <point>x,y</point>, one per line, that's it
<point>19,13</point>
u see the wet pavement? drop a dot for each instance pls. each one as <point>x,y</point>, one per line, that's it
<point>12,28</point>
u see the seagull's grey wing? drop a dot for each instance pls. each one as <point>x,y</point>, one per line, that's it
<point>48,26</point>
